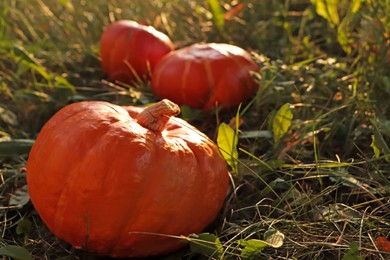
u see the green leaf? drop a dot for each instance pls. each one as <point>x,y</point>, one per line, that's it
<point>355,6</point>
<point>345,26</point>
<point>282,122</point>
<point>251,248</point>
<point>15,252</point>
<point>206,244</point>
<point>381,129</point>
<point>328,9</point>
<point>218,15</point>
<point>24,227</point>
<point>227,143</point>
<point>352,253</point>
<point>374,146</point>
<point>274,238</point>
<point>27,61</point>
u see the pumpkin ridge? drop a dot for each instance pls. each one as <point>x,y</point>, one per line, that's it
<point>197,150</point>
<point>151,181</point>
<point>141,195</point>
<point>209,187</point>
<point>162,64</point>
<point>180,193</point>
<point>207,103</point>
<point>243,62</point>
<point>60,208</point>
<point>110,241</point>
<point>184,77</point>
<point>105,128</point>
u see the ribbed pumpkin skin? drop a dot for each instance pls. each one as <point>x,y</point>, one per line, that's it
<point>204,75</point>
<point>126,43</point>
<point>95,176</point>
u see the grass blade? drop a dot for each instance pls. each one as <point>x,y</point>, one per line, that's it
<point>217,12</point>
<point>15,147</point>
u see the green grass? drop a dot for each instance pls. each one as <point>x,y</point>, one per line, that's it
<point>322,185</point>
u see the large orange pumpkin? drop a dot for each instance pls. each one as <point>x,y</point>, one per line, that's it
<point>129,50</point>
<point>117,180</point>
<point>206,75</point>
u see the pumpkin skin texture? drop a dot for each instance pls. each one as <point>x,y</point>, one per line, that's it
<point>129,50</point>
<point>103,176</point>
<point>206,75</point>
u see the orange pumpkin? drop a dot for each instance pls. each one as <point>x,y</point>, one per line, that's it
<point>129,50</point>
<point>117,180</point>
<point>206,75</point>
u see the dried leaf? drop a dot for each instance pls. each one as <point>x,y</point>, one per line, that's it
<point>19,198</point>
<point>382,244</point>
<point>234,11</point>
<point>274,238</point>
<point>8,117</point>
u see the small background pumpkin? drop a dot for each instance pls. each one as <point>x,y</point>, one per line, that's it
<point>206,75</point>
<point>103,176</point>
<point>129,50</point>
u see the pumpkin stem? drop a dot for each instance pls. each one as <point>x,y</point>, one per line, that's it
<point>156,117</point>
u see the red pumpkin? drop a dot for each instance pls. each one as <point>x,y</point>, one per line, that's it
<point>116,180</point>
<point>206,75</point>
<point>129,50</point>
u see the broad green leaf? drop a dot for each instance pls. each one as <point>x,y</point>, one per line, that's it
<point>15,252</point>
<point>328,9</point>
<point>227,144</point>
<point>217,12</point>
<point>282,122</point>
<point>24,227</point>
<point>274,238</point>
<point>251,248</point>
<point>352,253</point>
<point>206,244</point>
